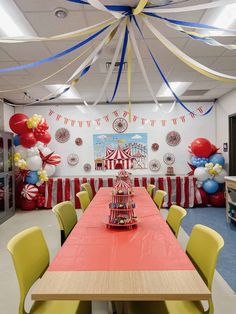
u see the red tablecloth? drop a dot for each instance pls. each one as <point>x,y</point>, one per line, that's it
<point>91,246</point>
<point>181,190</point>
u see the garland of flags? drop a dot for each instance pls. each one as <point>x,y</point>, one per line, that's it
<point>125,114</point>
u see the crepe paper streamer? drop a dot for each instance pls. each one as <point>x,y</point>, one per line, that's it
<point>54,57</point>
<point>29,191</point>
<point>115,56</point>
<point>188,60</point>
<point>123,53</point>
<point>141,5</point>
<point>168,3</point>
<point>139,58</point>
<point>211,5</point>
<point>74,34</point>
<point>45,78</point>
<point>165,79</point>
<point>129,74</point>
<point>181,24</point>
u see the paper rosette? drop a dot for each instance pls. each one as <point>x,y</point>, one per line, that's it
<point>29,192</point>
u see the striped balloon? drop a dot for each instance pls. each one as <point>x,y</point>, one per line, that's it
<point>29,191</point>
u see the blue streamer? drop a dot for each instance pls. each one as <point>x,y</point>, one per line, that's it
<point>190,24</point>
<point>121,63</point>
<point>164,77</point>
<point>118,8</point>
<point>54,57</point>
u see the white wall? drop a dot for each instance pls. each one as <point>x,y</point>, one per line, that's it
<point>225,106</point>
<point>193,128</point>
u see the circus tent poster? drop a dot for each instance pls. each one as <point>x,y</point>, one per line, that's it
<point>120,151</point>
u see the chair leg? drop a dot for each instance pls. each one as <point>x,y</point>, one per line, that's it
<point>63,238</point>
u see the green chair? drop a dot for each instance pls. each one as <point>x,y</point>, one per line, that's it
<point>87,187</point>
<point>203,248</point>
<point>150,189</point>
<point>175,217</point>
<point>84,199</point>
<point>159,198</point>
<point>30,256</point>
<point>67,218</point>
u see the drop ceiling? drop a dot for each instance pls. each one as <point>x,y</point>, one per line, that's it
<point>40,14</point>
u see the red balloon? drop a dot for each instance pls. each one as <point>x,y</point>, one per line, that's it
<point>214,149</point>
<point>44,138</point>
<point>27,205</point>
<point>204,197</point>
<point>28,139</point>
<point>18,124</point>
<point>218,199</point>
<point>201,147</point>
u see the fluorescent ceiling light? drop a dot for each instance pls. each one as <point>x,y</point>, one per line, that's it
<point>12,21</point>
<point>226,17</point>
<point>178,87</point>
<point>72,93</point>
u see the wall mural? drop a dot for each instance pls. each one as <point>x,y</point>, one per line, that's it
<point>120,151</point>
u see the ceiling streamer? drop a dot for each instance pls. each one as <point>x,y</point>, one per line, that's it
<point>127,44</point>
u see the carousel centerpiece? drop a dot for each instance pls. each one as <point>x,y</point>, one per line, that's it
<point>122,205</point>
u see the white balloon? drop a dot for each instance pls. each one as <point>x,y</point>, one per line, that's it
<point>46,150</point>
<point>22,151</point>
<point>50,169</point>
<point>201,174</point>
<point>220,178</point>
<point>34,163</point>
<point>33,151</point>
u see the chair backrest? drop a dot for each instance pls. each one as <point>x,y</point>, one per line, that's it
<point>84,199</point>
<point>66,216</point>
<point>203,249</point>
<point>159,198</point>
<point>87,187</point>
<point>30,256</point>
<point>175,217</point>
<point>150,189</point>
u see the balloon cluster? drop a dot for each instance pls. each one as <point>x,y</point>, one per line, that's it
<point>207,165</point>
<point>34,160</point>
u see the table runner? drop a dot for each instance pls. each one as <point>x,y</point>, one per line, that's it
<point>91,246</point>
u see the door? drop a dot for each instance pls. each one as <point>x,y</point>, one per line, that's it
<point>232,145</point>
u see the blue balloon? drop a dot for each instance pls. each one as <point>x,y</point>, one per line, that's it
<point>199,162</point>
<point>16,140</point>
<point>32,177</point>
<point>217,159</point>
<point>210,186</point>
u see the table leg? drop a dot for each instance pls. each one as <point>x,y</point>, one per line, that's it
<point>99,307</point>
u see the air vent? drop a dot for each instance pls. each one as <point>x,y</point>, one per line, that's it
<point>195,92</point>
<point>116,67</point>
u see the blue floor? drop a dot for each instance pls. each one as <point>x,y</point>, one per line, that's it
<point>215,219</point>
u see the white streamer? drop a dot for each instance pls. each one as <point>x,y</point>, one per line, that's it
<point>98,5</point>
<point>197,7</point>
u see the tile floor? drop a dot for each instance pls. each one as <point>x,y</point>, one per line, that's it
<point>223,296</point>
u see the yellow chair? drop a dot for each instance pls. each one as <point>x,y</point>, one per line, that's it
<point>203,248</point>
<point>150,189</point>
<point>84,199</point>
<point>67,218</point>
<point>87,187</point>
<point>159,198</point>
<point>175,217</point>
<point>30,256</point>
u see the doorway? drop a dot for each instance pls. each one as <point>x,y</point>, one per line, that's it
<point>232,145</point>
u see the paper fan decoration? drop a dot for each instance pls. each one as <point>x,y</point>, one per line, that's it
<point>62,135</point>
<point>155,147</point>
<point>173,138</point>
<point>73,159</point>
<point>87,167</point>
<point>78,141</point>
<point>169,159</point>
<point>120,125</point>
<point>154,165</point>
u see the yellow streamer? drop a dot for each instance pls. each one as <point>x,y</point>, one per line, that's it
<point>140,7</point>
<point>129,76</point>
<point>188,60</point>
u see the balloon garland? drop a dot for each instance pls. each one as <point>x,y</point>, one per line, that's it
<point>34,160</point>
<point>207,167</point>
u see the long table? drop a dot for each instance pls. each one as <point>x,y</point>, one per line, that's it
<point>96,263</point>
